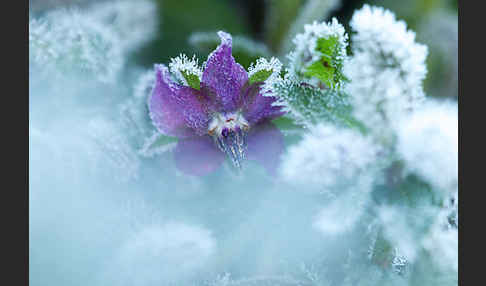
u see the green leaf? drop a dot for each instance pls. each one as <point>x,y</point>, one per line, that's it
<point>260,76</point>
<point>192,80</point>
<point>329,68</point>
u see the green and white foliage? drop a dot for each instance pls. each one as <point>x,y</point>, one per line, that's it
<point>309,105</point>
<point>187,71</point>
<point>319,55</point>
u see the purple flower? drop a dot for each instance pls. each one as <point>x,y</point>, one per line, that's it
<point>221,108</point>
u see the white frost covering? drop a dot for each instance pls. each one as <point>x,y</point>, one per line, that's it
<point>328,157</point>
<point>182,64</point>
<point>162,254</point>
<point>336,163</point>
<point>428,142</point>
<point>274,65</point>
<point>305,52</point>
<point>387,68</point>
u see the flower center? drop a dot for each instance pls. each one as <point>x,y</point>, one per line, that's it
<point>229,133</point>
<point>221,124</point>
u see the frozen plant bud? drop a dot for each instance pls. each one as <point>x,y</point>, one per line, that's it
<point>319,54</point>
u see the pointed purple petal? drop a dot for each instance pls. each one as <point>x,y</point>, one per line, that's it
<point>177,110</point>
<point>257,108</point>
<point>223,77</point>
<point>265,145</point>
<point>197,156</point>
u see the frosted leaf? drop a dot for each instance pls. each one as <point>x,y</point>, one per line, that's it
<point>330,159</point>
<point>309,105</point>
<point>319,54</point>
<point>67,41</point>
<point>338,163</point>
<point>386,70</point>
<point>133,21</point>
<point>428,142</point>
<point>186,71</point>
<point>264,70</point>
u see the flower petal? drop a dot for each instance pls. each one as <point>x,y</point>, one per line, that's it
<point>223,77</point>
<point>257,107</point>
<point>197,156</point>
<point>177,110</point>
<point>265,145</point>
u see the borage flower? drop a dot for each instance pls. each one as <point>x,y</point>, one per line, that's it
<point>221,107</point>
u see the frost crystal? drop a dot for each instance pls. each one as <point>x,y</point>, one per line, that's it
<point>319,54</point>
<point>264,69</point>
<point>428,142</point>
<point>309,105</point>
<point>186,70</point>
<point>387,68</point>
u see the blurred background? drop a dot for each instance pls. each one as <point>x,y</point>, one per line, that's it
<point>103,214</point>
<point>267,21</point>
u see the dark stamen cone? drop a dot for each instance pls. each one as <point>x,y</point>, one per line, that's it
<point>233,144</point>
